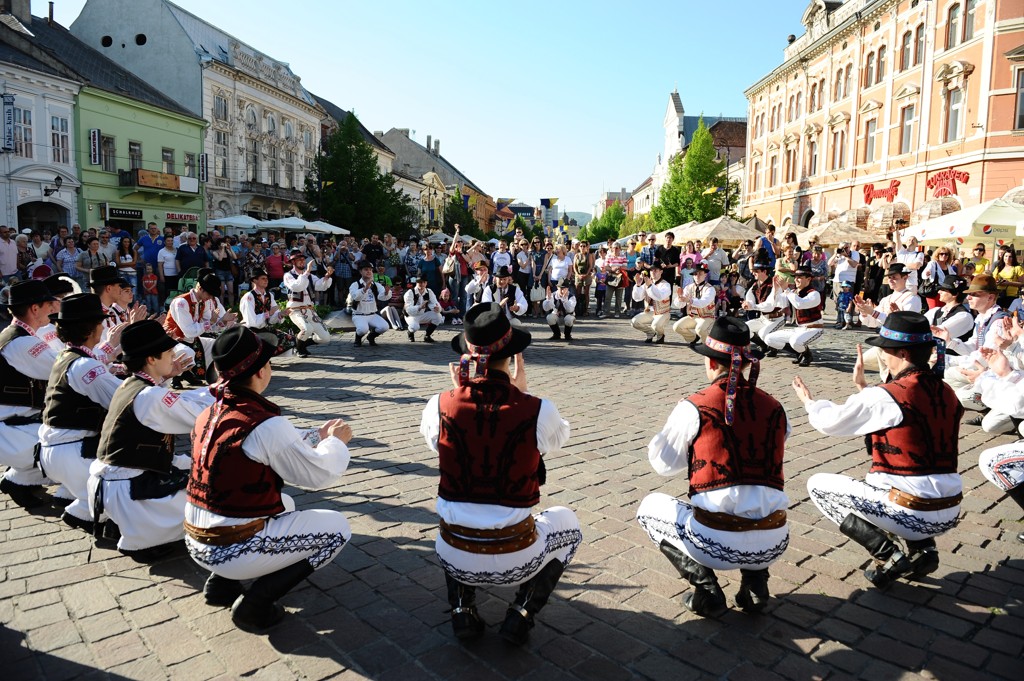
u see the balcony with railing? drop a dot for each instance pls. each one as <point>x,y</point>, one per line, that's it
<point>273,191</point>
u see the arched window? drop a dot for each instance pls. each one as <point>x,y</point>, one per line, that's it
<point>791,110</point>
<point>880,68</point>
<point>847,78</point>
<point>906,51</point>
<point>812,100</point>
<point>919,44</point>
<point>869,70</point>
<point>799,104</point>
<point>821,94</point>
<point>250,118</point>
<point>969,19</point>
<point>953,27</point>
<point>837,92</point>
<point>289,130</point>
<point>271,125</point>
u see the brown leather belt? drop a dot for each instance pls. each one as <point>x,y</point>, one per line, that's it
<point>502,540</point>
<point>223,536</point>
<point>901,498</point>
<point>733,523</point>
<point>813,325</point>
<point>773,315</point>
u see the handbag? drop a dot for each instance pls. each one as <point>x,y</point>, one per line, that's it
<point>449,265</point>
<point>614,279</point>
<point>537,293</point>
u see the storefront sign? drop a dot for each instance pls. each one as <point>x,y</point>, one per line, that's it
<point>123,214</point>
<point>155,180</point>
<point>182,217</point>
<point>944,182</point>
<point>888,193</point>
<point>94,146</point>
<point>204,167</point>
<point>8,122</point>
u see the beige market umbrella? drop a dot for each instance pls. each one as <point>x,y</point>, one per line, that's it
<point>678,230</point>
<point>836,232</point>
<point>729,232</point>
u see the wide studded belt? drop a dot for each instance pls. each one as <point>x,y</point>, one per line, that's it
<point>734,523</point>
<point>901,498</point>
<point>502,540</point>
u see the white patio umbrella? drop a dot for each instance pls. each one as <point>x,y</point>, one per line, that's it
<point>328,226</point>
<point>297,224</point>
<point>245,221</point>
<point>992,221</point>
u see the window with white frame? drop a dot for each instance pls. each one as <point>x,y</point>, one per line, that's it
<point>755,179</point>
<point>907,128</point>
<point>792,154</point>
<point>907,51</point>
<point>869,140</point>
<point>812,157</point>
<point>773,171</point>
<point>252,160</point>
<point>799,104</point>
<point>251,122</point>
<point>847,80</point>
<point>838,148</point>
<point>919,44</point>
<point>190,164</point>
<point>812,100</point>
<point>134,154</point>
<point>288,179</point>
<point>880,66</point>
<point>272,165</point>
<point>167,160</point>
<point>108,154</point>
<point>953,27</point>
<point>23,140</point>
<point>220,154</point>
<point>954,113</point>
<point>271,125</point>
<point>59,139</point>
<point>220,108</point>
<point>1019,119</point>
<point>289,130</point>
<point>972,6</point>
<point>869,70</point>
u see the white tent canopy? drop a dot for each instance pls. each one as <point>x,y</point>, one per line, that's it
<point>243,221</point>
<point>297,224</point>
<point>993,221</point>
<point>331,229</point>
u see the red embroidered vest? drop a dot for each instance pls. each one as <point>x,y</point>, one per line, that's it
<point>926,441</point>
<point>749,452</point>
<point>228,482</point>
<point>488,444</point>
<point>761,293</point>
<point>195,309</point>
<point>808,315</point>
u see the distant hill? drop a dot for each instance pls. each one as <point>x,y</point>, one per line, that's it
<point>581,218</point>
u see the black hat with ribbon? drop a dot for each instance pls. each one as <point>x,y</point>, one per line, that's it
<point>503,271</point>
<point>487,335</point>
<point>296,253</point>
<point>105,275</point>
<point>257,273</point>
<point>897,268</point>
<point>729,342</point>
<point>145,338</point>
<point>80,307</point>
<point>905,329</point>
<point>60,284</point>
<point>239,353</point>
<point>954,284</point>
<point>30,292</point>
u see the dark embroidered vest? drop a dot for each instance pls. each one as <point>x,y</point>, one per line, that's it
<point>17,389</point>
<point>66,408</point>
<point>749,452</point>
<point>808,315</point>
<point>298,295</point>
<point>125,442</point>
<point>263,303</point>
<point>227,482</point>
<point>761,293</point>
<point>488,444</point>
<point>942,317</point>
<point>926,441</point>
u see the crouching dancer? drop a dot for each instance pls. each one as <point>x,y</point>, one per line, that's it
<point>912,423</point>
<point>731,436</point>
<point>489,434</point>
<point>137,479</point>
<point>238,525</point>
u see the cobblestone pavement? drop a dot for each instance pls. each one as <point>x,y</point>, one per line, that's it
<point>72,609</point>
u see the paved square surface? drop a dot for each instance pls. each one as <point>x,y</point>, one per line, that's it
<point>72,609</point>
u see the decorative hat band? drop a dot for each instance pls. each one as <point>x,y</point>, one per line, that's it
<point>244,365</point>
<point>737,354</point>
<point>479,354</point>
<point>904,337</point>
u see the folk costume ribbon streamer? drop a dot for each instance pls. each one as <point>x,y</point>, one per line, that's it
<point>479,354</point>
<point>219,390</point>
<point>904,337</point>
<point>737,354</point>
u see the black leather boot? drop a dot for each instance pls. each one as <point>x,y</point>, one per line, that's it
<point>923,557</point>
<point>301,348</point>
<point>753,594</point>
<point>372,338</point>
<point>890,562</point>
<point>1017,494</point>
<point>220,591</point>
<point>568,333</point>
<point>359,341</point>
<point>707,598</point>
<point>555,333</point>
<point>258,609</point>
<point>429,336</point>
<point>531,597</point>
<point>466,622</point>
<point>771,352</point>
<point>25,496</point>
<point>756,340</point>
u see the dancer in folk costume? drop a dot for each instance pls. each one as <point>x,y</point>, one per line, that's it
<point>807,303</point>
<point>137,479</point>
<point>765,298</point>
<point>508,295</point>
<point>421,310</point>
<point>260,313</point>
<point>78,394</point>
<point>730,438</point>
<point>238,524</point>
<point>561,307</point>
<point>912,424</point>
<point>25,364</point>
<point>300,282</point>
<point>192,319</point>
<point>699,299</point>
<point>656,295</point>
<point>873,316</point>
<point>490,435</point>
<point>60,286</point>
<point>363,295</point>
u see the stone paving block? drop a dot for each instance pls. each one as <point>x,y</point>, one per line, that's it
<point>88,598</point>
<point>800,668</point>
<point>173,642</point>
<point>104,625</point>
<point>241,653</point>
<point>142,668</point>
<point>119,649</point>
<point>53,636</point>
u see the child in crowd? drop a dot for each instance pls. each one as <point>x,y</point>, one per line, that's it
<point>844,306</point>
<point>600,287</point>
<point>449,310</point>
<point>151,290</point>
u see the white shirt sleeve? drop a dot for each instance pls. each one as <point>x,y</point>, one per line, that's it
<point>280,445</point>
<point>668,450</point>
<point>166,411</point>
<point>296,282</point>
<point>321,284</point>
<point>247,307</point>
<point>89,377</point>
<point>812,299</point>
<point>870,410</point>
<point>430,423</point>
<point>520,303</point>
<point>31,356</point>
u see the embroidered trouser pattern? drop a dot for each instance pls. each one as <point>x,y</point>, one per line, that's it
<point>1003,466</point>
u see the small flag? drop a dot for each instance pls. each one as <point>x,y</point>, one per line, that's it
<point>714,190</point>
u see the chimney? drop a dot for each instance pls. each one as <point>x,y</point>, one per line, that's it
<point>428,142</point>
<point>19,9</point>
<point>378,133</point>
<point>403,131</point>
<point>437,147</point>
<point>50,20</point>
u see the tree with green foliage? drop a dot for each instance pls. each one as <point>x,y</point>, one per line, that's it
<point>456,213</point>
<point>605,227</point>
<point>683,197</point>
<point>636,223</point>
<point>347,188</point>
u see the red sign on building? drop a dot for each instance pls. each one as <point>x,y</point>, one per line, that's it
<point>888,193</point>
<point>944,182</point>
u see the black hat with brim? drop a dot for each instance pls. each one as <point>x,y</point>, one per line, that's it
<point>728,330</point>
<point>31,292</point>
<point>365,264</point>
<point>239,353</point>
<point>80,307</point>
<point>903,329</point>
<point>257,273</point>
<point>59,284</point>
<point>503,271</point>
<point>485,325</point>
<point>211,284</point>
<point>897,268</point>
<point>105,275</point>
<point>145,338</point>
<point>954,284</point>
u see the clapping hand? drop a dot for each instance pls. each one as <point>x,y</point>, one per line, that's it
<point>802,391</point>
<point>997,361</point>
<point>940,333</point>
<point>972,374</point>
<point>517,368</point>
<point>336,428</point>
<point>858,370</point>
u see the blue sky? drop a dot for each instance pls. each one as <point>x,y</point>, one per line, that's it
<point>530,99</point>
